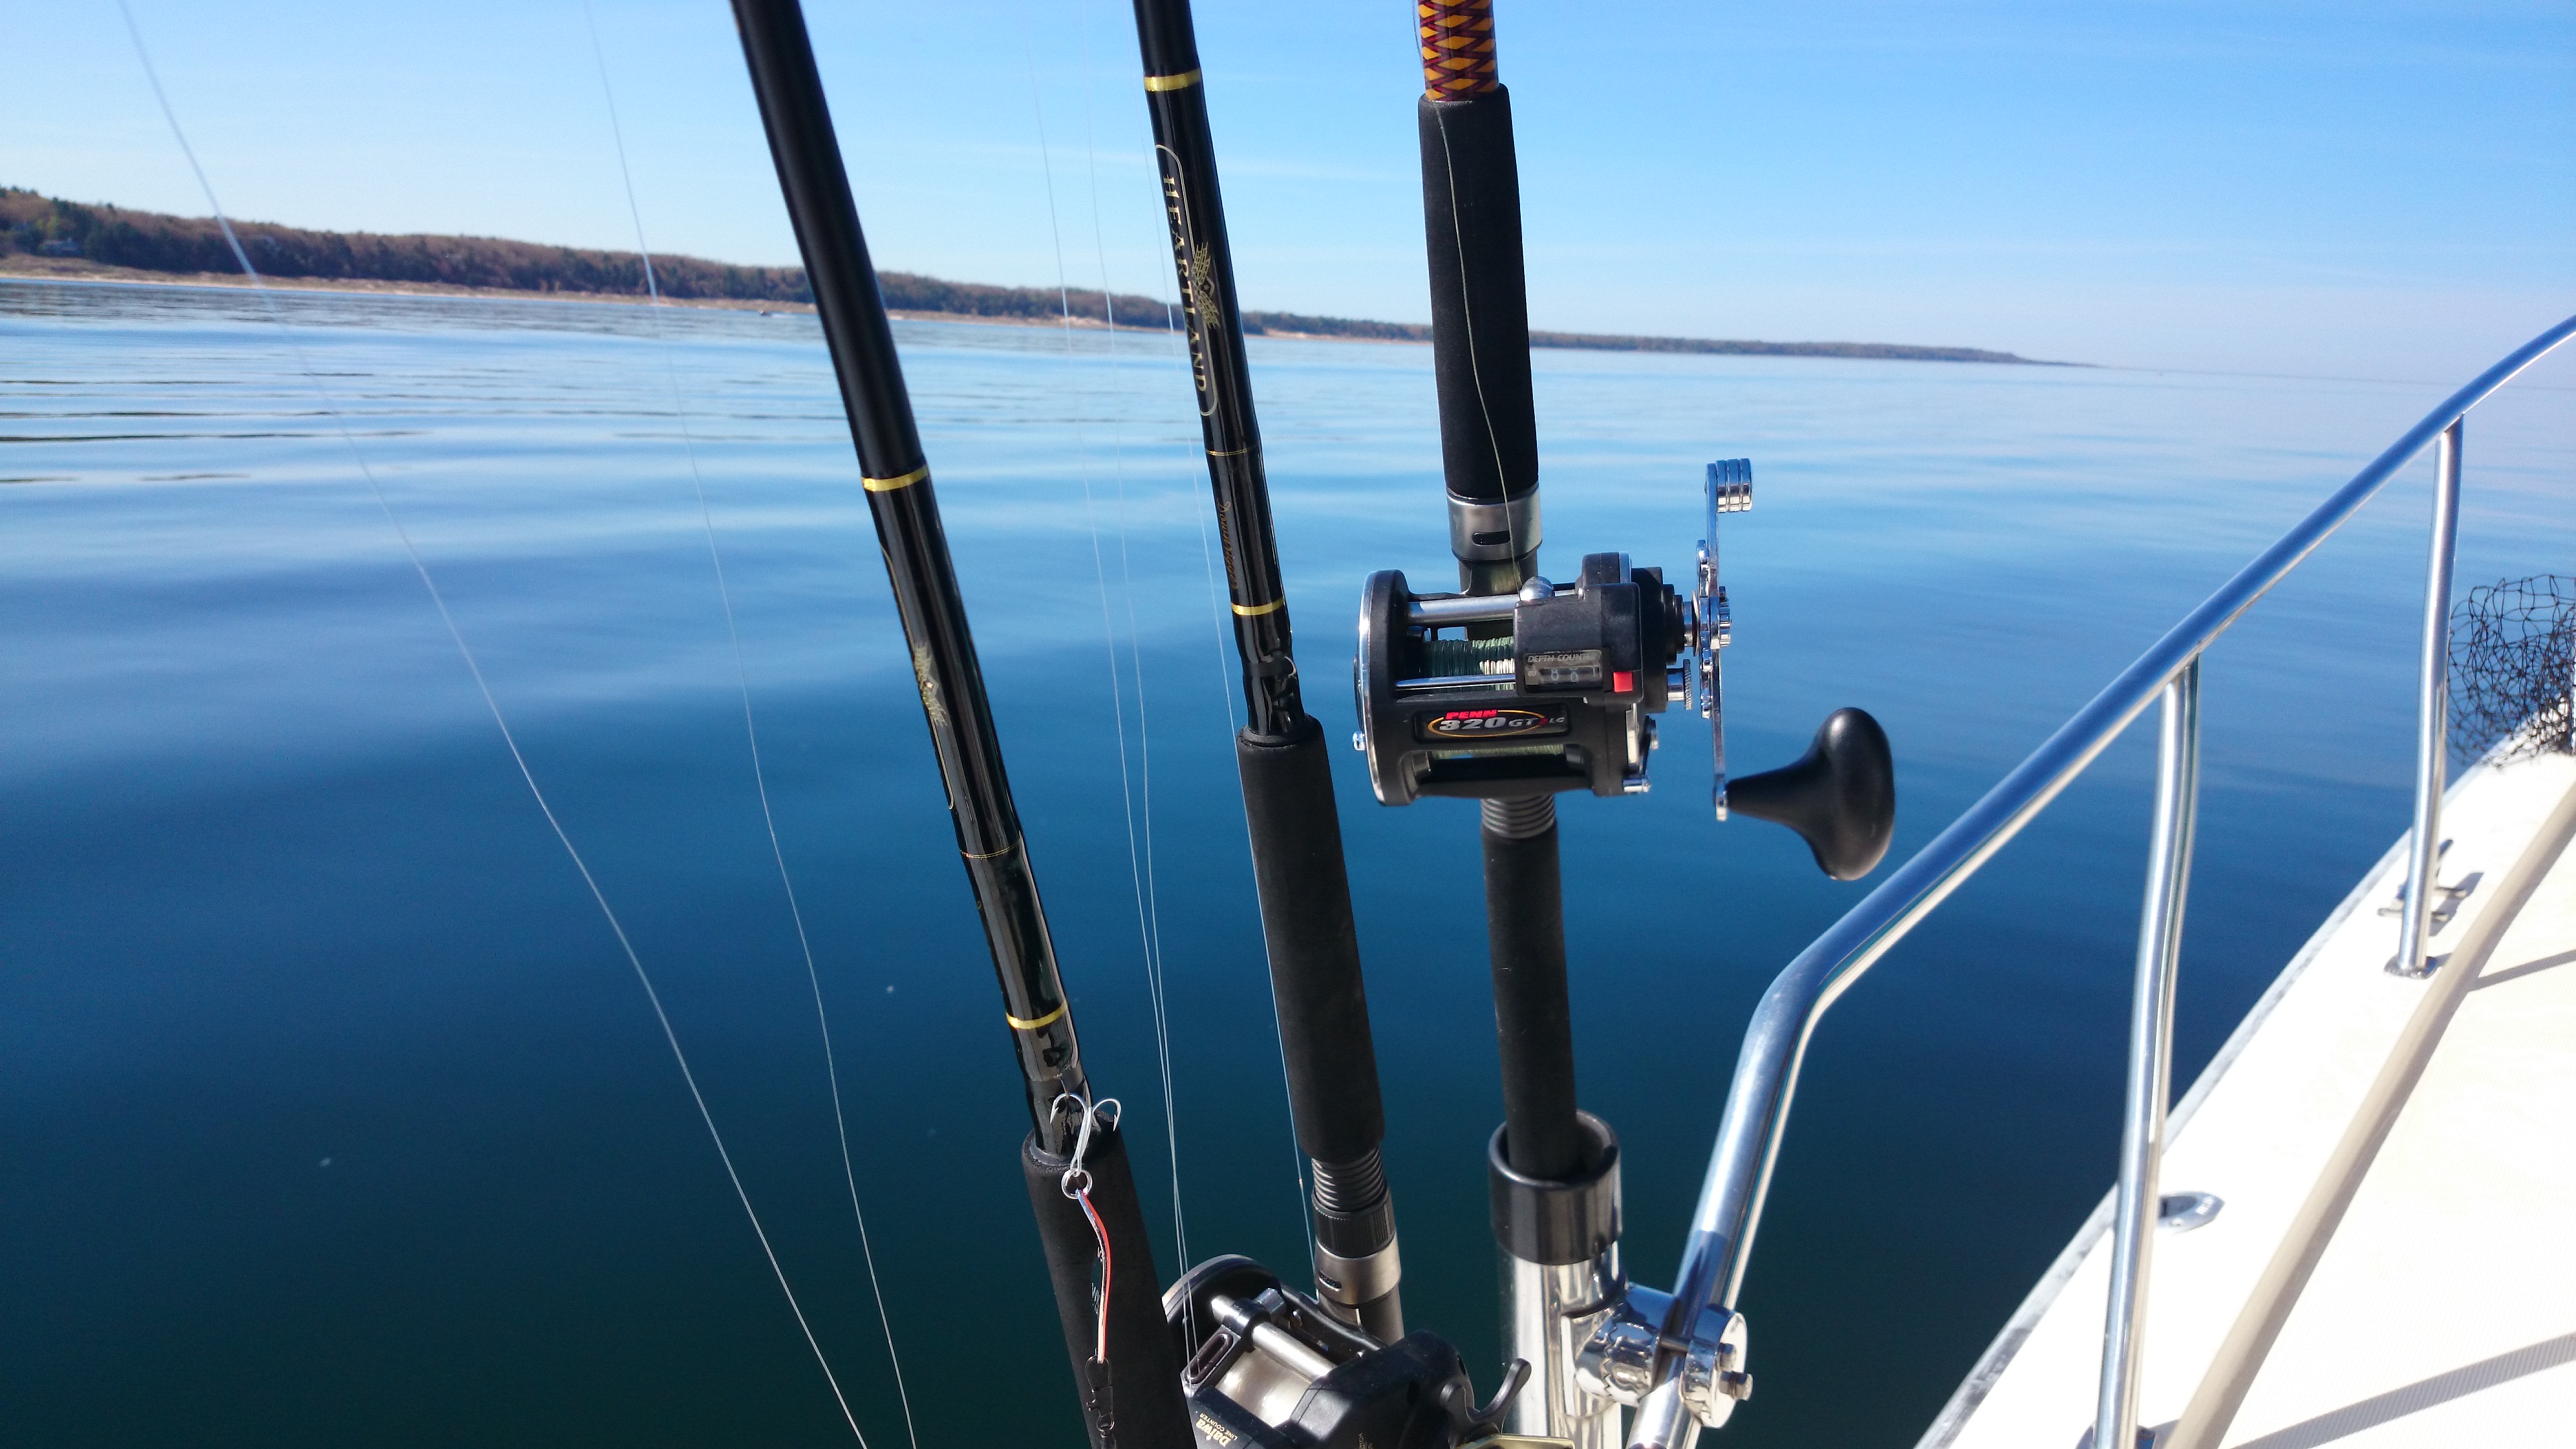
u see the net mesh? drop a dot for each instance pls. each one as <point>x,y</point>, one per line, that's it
<point>2513,667</point>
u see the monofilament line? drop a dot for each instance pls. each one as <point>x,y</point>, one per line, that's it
<point>750,727</point>
<point>1139,858</point>
<point>1136,661</point>
<point>491,702</point>
<point>1221,630</point>
<point>1467,314</point>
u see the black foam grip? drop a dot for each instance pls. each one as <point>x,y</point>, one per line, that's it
<point>1533,1019</point>
<point>1471,221</point>
<point>1137,1404</point>
<point>1314,948</point>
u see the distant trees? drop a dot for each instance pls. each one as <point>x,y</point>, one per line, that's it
<point>153,242</point>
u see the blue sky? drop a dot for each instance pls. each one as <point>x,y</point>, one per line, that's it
<point>2344,189</point>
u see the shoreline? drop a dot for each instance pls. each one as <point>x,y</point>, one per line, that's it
<point>23,267</point>
<point>65,269</point>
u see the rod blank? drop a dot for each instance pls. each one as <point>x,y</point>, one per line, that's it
<point>1134,1398</point>
<point>1295,826</point>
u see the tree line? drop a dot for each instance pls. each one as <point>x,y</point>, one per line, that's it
<point>154,241</point>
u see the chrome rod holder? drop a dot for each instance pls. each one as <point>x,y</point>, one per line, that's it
<point>2150,1086</point>
<point>1554,1310</point>
<point>2432,714</point>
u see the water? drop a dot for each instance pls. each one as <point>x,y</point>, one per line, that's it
<point>333,1115</point>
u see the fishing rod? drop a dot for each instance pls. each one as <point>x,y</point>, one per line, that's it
<point>1507,692</point>
<point>1074,1159</point>
<point>1515,689</point>
<point>1545,688</point>
<point>1296,831</point>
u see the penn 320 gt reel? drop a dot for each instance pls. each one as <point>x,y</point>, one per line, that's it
<point>1557,687</point>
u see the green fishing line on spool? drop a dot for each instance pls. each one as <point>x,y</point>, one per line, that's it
<point>1444,658</point>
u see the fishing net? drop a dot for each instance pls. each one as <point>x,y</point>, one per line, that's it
<point>2513,665</point>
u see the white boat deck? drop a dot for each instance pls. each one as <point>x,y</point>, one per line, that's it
<point>2395,1260</point>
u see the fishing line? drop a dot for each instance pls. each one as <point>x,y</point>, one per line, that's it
<point>1467,313</point>
<point>1221,623</point>
<point>1220,620</point>
<point>750,730</point>
<point>1135,641</point>
<point>1140,864</point>
<point>491,702</point>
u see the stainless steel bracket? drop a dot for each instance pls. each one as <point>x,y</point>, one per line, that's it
<point>1617,1362</point>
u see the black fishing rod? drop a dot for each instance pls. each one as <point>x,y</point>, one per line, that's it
<point>1480,356</point>
<point>1074,1160</point>
<point>1515,689</point>
<point>1554,1169</point>
<point>1287,777</point>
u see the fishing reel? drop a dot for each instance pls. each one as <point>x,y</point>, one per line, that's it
<point>1559,696</point>
<point>1269,1368</point>
<point>1556,687</point>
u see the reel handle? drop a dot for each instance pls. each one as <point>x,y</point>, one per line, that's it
<point>1840,796</point>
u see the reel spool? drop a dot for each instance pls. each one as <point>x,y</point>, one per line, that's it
<point>1556,687</point>
<point>1269,1368</point>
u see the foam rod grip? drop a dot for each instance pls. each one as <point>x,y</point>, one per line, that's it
<point>1139,1406</point>
<point>1480,350</point>
<point>1314,948</point>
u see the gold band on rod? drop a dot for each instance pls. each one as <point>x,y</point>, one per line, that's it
<point>1047,1020</point>
<point>1257,610</point>
<point>1181,82</point>
<point>888,485</point>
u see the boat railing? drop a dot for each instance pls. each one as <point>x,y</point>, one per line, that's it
<point>2168,673</point>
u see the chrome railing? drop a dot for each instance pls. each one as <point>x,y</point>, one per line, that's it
<point>1766,1070</point>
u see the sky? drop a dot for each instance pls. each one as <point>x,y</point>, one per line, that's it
<point>2322,189</point>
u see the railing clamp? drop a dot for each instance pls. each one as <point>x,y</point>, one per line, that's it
<point>1618,1360</point>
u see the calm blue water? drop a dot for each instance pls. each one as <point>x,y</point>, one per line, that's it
<point>329,1112</point>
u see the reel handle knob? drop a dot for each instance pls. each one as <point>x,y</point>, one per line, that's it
<point>1840,796</point>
